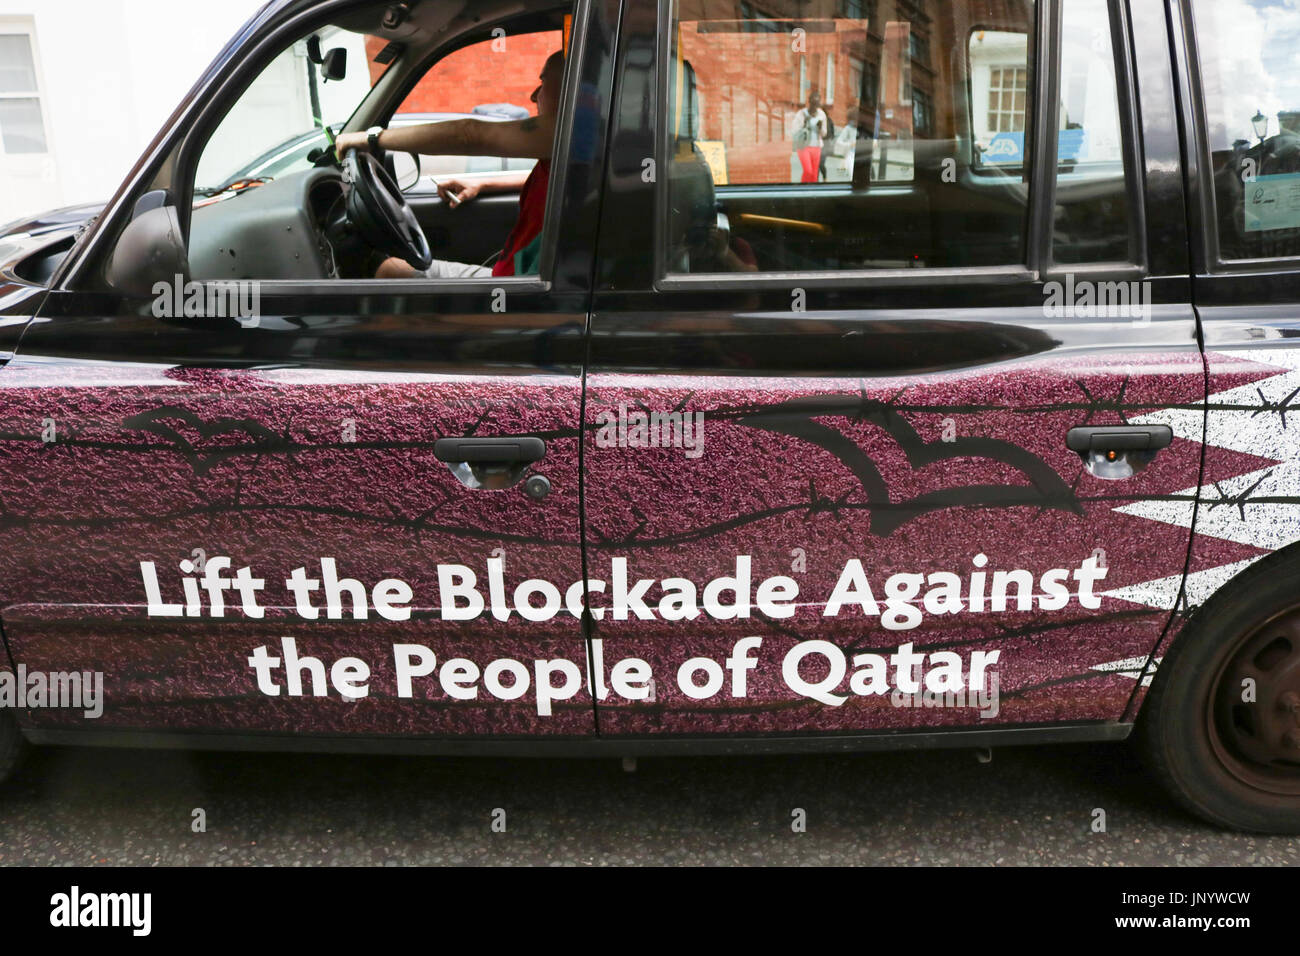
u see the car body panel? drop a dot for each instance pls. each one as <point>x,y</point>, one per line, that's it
<point>316,441</point>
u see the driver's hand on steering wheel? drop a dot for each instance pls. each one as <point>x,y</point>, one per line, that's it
<point>454,192</point>
<point>346,141</point>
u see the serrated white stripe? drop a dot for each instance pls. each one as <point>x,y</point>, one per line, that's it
<point>1265,433</point>
<point>1188,423</point>
<point>1159,593</point>
<point>1130,667</point>
<point>1201,585</point>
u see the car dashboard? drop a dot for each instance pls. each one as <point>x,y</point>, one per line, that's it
<point>279,230</point>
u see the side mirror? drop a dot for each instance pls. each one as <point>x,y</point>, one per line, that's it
<point>151,249</point>
<point>406,170</point>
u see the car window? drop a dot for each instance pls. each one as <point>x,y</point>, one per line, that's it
<point>276,126</point>
<point>470,81</point>
<point>261,211</point>
<point>1250,92</point>
<point>800,138</point>
<point>817,136</point>
<point>1092,221</point>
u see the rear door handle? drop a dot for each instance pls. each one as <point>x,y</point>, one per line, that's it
<point>496,451</point>
<point>1114,452</point>
<point>1104,438</point>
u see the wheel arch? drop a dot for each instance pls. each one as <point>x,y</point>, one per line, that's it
<point>1186,621</point>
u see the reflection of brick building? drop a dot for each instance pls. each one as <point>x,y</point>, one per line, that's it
<point>886,67</point>
<point>478,74</point>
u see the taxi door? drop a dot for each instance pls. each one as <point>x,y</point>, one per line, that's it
<point>889,447</point>
<point>340,516</point>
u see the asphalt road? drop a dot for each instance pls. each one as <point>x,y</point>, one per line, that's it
<point>1029,806</point>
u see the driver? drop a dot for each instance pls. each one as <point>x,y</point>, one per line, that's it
<point>529,138</point>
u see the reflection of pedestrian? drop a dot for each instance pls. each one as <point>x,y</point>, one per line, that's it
<point>809,133</point>
<point>826,151</point>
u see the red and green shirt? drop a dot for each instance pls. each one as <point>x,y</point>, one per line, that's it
<point>523,245</point>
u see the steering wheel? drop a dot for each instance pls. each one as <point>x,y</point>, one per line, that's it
<point>376,206</point>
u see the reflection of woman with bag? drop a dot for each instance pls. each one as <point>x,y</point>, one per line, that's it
<point>809,133</point>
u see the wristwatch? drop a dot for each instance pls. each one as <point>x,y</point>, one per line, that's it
<point>372,137</point>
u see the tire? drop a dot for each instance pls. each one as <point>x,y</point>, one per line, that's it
<point>1232,761</point>
<point>13,747</point>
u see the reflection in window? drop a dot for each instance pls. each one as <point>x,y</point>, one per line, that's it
<point>1000,93</point>
<point>1251,93</point>
<point>1092,211</point>
<point>1007,89</point>
<point>918,48</point>
<point>922,113</point>
<point>843,141</point>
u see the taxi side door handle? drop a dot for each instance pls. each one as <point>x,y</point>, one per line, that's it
<point>498,451</point>
<point>494,464</point>
<point>1115,452</point>
<point>1105,438</point>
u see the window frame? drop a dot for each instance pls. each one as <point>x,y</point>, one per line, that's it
<point>1131,148</point>
<point>1039,264</point>
<point>26,27</point>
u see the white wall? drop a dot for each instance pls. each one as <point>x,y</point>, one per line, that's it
<point>111,72</point>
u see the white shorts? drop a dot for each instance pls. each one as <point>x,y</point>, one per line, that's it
<point>446,269</point>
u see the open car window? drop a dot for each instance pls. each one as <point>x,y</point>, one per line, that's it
<point>272,200</point>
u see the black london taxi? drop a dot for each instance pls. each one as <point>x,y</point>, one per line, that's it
<point>755,377</point>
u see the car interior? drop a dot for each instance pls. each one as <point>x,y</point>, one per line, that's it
<point>282,212</point>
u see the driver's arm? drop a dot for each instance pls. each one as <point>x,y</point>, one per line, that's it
<point>455,191</point>
<point>529,138</point>
<point>507,182</point>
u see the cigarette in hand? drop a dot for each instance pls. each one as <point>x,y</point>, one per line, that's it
<point>452,199</point>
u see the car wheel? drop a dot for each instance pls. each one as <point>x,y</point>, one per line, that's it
<point>1221,727</point>
<point>12,745</point>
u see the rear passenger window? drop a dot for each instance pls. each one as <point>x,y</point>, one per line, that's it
<point>1250,91</point>
<point>815,135</point>
<point>821,135</point>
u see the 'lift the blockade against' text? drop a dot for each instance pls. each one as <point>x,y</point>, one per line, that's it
<point>901,603</point>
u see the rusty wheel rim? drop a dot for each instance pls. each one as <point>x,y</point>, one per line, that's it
<point>1253,722</point>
